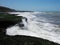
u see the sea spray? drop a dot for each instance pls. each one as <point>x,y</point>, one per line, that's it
<point>39,25</point>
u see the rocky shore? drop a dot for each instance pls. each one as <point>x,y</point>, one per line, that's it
<point>5,21</point>
<point>22,40</point>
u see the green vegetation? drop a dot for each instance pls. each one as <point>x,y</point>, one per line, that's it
<point>7,20</point>
<point>10,17</point>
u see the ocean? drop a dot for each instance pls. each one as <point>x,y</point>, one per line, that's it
<point>44,25</point>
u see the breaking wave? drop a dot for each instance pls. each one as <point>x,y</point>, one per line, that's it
<point>40,24</point>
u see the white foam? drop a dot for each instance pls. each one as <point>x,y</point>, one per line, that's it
<point>41,29</point>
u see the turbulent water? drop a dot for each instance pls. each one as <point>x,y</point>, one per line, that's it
<point>44,25</point>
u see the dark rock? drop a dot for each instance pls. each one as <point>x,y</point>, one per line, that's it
<point>7,20</point>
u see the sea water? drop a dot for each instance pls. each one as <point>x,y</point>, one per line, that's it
<point>44,25</point>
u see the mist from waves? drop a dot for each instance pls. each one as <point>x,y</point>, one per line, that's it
<point>40,24</point>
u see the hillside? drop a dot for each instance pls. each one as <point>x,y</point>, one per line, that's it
<point>6,9</point>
